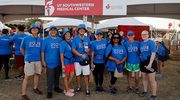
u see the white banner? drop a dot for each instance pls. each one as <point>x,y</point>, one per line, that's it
<point>114,7</point>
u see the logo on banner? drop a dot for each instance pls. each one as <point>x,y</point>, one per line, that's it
<point>108,6</point>
<point>49,8</point>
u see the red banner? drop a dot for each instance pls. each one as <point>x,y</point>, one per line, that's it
<point>73,7</point>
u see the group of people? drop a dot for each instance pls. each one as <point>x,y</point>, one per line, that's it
<point>71,56</point>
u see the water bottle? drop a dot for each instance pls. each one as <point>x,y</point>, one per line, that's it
<point>152,69</point>
<point>92,69</point>
<point>63,73</point>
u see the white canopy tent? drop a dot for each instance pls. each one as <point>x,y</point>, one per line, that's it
<point>66,22</point>
<point>111,23</point>
<point>2,26</point>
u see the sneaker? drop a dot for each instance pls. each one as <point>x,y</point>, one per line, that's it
<point>69,93</point>
<point>37,91</point>
<point>20,77</point>
<point>24,97</point>
<point>137,91</point>
<point>143,94</point>
<point>58,90</point>
<point>153,98</point>
<point>101,89</point>
<point>109,87</point>
<point>113,91</point>
<point>49,95</point>
<point>7,79</point>
<point>78,90</point>
<point>72,90</point>
<point>97,89</point>
<point>129,90</point>
<point>87,92</point>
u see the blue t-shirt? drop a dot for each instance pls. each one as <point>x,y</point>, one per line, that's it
<point>11,35</point>
<point>124,40</point>
<point>118,52</point>
<point>51,47</point>
<point>99,48</point>
<point>32,47</point>
<point>5,45</point>
<point>91,41</point>
<point>17,39</point>
<point>146,49</point>
<point>67,50</point>
<point>132,56</point>
<point>108,39</point>
<point>78,44</point>
<point>161,50</point>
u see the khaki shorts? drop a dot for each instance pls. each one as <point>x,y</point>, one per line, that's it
<point>32,67</point>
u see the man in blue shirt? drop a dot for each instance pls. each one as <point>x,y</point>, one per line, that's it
<point>51,60</point>
<point>17,39</point>
<point>124,39</point>
<point>31,49</point>
<point>81,47</point>
<point>11,34</point>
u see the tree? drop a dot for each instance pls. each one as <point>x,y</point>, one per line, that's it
<point>33,21</point>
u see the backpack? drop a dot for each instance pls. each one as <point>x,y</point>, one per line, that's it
<point>167,52</point>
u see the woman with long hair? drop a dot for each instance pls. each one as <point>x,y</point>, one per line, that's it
<point>116,55</point>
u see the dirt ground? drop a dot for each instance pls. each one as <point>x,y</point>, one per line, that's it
<point>168,87</point>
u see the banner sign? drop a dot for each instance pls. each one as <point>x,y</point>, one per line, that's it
<point>85,7</point>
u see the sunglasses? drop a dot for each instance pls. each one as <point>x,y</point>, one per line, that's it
<point>82,42</point>
<point>144,34</point>
<point>115,37</point>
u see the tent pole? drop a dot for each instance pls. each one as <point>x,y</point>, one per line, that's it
<point>85,20</point>
<point>43,32</point>
<point>92,27</point>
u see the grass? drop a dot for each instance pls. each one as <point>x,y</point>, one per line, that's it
<point>168,87</point>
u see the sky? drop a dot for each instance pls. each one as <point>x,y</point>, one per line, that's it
<point>160,23</point>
